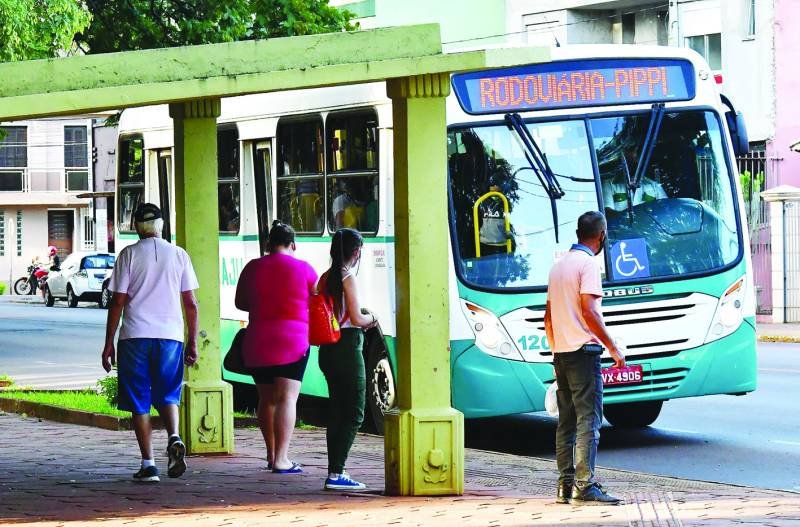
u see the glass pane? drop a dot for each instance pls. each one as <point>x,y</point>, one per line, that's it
<point>129,199</point>
<point>10,181</point>
<point>75,147</point>
<point>353,203</point>
<point>715,51</point>
<point>300,204</point>
<point>229,208</point>
<point>697,43</point>
<point>77,180</point>
<point>14,147</point>
<point>227,155</point>
<point>681,218</point>
<point>100,261</point>
<point>300,148</point>
<point>353,142</point>
<point>491,179</point>
<point>131,167</point>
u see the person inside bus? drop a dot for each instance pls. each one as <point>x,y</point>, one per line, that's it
<point>348,211</point>
<point>492,233</point>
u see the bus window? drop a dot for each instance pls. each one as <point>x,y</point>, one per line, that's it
<point>300,175</point>
<point>228,181</point>
<point>683,209</point>
<point>130,181</point>
<point>353,171</point>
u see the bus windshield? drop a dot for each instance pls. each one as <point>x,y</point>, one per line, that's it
<point>679,219</point>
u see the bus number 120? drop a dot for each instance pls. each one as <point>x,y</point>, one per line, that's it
<point>533,342</point>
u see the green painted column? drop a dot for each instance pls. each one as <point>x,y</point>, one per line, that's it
<point>207,405</point>
<point>424,436</point>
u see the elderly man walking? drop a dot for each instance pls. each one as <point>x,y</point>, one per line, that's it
<point>574,325</point>
<point>151,279</point>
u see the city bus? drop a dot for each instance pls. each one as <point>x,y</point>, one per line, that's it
<point>639,133</point>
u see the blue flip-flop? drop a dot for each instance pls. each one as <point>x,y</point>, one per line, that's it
<point>296,469</point>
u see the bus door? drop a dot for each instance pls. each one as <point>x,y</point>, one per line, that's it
<point>164,190</point>
<point>262,172</point>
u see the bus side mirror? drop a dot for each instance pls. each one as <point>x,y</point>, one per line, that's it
<point>738,128</point>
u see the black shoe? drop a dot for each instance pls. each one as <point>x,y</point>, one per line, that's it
<point>147,475</point>
<point>176,451</point>
<point>564,493</point>
<point>593,495</point>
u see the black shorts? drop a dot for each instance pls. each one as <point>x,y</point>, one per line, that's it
<point>293,371</point>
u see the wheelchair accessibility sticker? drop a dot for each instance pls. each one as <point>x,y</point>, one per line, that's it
<point>629,259</point>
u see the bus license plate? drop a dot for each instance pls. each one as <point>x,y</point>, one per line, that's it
<point>628,375</point>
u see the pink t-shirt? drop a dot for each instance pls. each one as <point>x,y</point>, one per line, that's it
<point>275,290</point>
<point>576,273</point>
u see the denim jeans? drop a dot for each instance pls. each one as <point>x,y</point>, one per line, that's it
<point>580,414</point>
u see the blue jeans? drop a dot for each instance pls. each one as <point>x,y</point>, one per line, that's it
<point>580,414</point>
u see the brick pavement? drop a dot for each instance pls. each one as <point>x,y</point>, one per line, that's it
<point>57,474</point>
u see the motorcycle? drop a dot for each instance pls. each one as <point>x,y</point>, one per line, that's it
<point>36,278</point>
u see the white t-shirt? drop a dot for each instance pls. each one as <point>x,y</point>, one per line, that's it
<point>153,273</point>
<point>575,274</point>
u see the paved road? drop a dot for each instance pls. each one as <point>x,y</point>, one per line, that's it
<point>751,440</point>
<point>54,347</point>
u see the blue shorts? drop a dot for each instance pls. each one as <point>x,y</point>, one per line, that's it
<point>150,373</point>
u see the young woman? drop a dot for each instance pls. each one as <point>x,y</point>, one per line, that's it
<point>275,290</point>
<point>343,363</point>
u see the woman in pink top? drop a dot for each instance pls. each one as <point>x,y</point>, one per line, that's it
<point>275,290</point>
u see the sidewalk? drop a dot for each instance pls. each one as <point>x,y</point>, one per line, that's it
<point>56,474</point>
<point>778,332</point>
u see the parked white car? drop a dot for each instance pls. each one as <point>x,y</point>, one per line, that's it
<point>81,278</point>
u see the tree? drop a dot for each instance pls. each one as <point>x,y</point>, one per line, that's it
<point>144,24</point>
<point>38,29</point>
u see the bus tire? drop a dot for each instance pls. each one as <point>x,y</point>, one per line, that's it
<point>632,415</point>
<point>381,387</point>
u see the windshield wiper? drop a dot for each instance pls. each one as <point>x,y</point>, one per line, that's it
<point>656,115</point>
<point>538,163</point>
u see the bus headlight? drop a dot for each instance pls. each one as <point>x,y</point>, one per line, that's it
<point>728,316</point>
<point>490,335</point>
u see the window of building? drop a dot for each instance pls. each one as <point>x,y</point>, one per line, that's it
<point>709,46</point>
<point>19,233</point>
<point>301,175</point>
<point>130,181</point>
<point>228,181</point>
<point>750,28</point>
<point>13,158</point>
<point>352,175</point>
<point>629,28</point>
<point>76,158</point>
<point>2,232</point>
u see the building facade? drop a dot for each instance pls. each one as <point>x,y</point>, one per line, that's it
<point>44,166</point>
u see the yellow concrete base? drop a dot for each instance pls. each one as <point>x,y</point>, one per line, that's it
<point>424,452</point>
<point>206,417</point>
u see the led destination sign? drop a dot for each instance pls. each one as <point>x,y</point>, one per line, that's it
<point>575,84</point>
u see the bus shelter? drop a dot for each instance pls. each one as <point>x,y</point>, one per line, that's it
<point>424,442</point>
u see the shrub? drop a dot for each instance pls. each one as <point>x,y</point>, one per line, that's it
<point>2,287</point>
<point>109,388</point>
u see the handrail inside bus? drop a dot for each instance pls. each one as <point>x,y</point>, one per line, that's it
<point>506,213</point>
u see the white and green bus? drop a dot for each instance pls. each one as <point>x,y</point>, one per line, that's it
<point>640,133</point>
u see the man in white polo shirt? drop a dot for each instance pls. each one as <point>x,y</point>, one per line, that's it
<point>151,279</point>
<point>574,325</point>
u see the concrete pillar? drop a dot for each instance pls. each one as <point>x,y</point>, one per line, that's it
<point>424,436</point>
<point>207,405</point>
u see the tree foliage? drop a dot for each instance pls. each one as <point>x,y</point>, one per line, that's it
<point>144,24</point>
<point>38,29</point>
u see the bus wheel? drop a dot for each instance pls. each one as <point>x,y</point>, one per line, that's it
<point>381,388</point>
<point>632,415</point>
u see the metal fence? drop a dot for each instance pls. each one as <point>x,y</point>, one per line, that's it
<point>757,172</point>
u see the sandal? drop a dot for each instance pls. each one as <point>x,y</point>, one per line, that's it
<point>296,469</point>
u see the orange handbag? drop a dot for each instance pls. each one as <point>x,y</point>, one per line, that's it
<point>323,327</point>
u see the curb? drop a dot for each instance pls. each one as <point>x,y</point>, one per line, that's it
<point>779,338</point>
<point>79,417</point>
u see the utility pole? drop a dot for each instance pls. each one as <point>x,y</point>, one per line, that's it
<point>674,24</point>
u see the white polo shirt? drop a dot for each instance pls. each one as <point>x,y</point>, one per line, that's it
<point>153,273</point>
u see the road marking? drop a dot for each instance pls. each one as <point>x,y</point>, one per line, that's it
<point>677,430</point>
<point>792,443</point>
<point>779,370</point>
